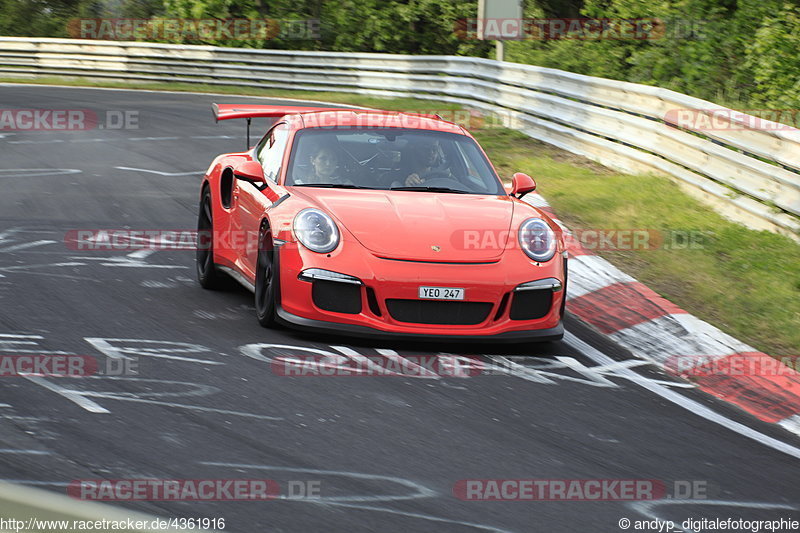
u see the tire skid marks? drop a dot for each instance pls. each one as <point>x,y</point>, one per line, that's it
<point>416,491</point>
<point>678,334</point>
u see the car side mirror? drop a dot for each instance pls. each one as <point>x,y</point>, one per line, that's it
<point>250,171</point>
<point>522,184</point>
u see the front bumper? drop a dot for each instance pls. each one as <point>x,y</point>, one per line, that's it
<point>382,283</point>
<point>308,324</point>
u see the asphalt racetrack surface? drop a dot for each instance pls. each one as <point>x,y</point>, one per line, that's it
<point>384,454</point>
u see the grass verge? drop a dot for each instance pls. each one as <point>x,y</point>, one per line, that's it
<point>745,282</point>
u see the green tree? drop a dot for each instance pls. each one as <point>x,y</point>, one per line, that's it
<point>773,58</point>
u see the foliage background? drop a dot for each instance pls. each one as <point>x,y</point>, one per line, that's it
<point>739,53</point>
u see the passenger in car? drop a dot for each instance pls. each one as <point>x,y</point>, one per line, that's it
<point>326,167</point>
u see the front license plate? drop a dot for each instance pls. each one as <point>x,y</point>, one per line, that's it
<point>441,293</point>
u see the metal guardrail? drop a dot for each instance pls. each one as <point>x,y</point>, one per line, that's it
<point>749,175</point>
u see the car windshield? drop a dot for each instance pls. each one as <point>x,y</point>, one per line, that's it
<point>391,159</point>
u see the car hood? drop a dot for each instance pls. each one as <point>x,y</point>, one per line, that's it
<point>437,227</point>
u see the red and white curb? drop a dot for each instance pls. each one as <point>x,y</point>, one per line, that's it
<point>655,329</point>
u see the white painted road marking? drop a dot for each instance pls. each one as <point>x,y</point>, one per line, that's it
<point>81,397</point>
<point>25,246</point>
<point>417,491</point>
<point>71,395</point>
<point>51,141</point>
<point>30,172</point>
<point>150,348</point>
<point>132,260</point>
<point>369,366</point>
<point>181,406</point>
<point>160,173</point>
<point>25,268</point>
<point>8,345</point>
<point>646,507</point>
<point>416,370</point>
<point>23,452</point>
<point>687,403</point>
<point>33,482</point>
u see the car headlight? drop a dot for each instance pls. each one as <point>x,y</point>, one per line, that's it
<point>316,230</point>
<point>537,239</point>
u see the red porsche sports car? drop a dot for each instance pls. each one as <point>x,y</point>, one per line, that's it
<point>379,223</point>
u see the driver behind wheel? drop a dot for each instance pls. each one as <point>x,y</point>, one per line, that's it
<point>425,161</point>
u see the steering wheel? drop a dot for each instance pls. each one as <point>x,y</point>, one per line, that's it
<point>429,175</point>
<point>450,183</point>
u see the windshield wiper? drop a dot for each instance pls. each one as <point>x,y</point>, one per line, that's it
<point>333,186</point>
<point>431,189</point>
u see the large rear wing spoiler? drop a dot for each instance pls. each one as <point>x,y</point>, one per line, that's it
<point>229,111</point>
<point>249,112</point>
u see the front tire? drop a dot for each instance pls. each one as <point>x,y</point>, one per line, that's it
<point>265,279</point>
<point>207,273</point>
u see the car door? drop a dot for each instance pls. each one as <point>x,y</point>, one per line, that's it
<point>252,202</point>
